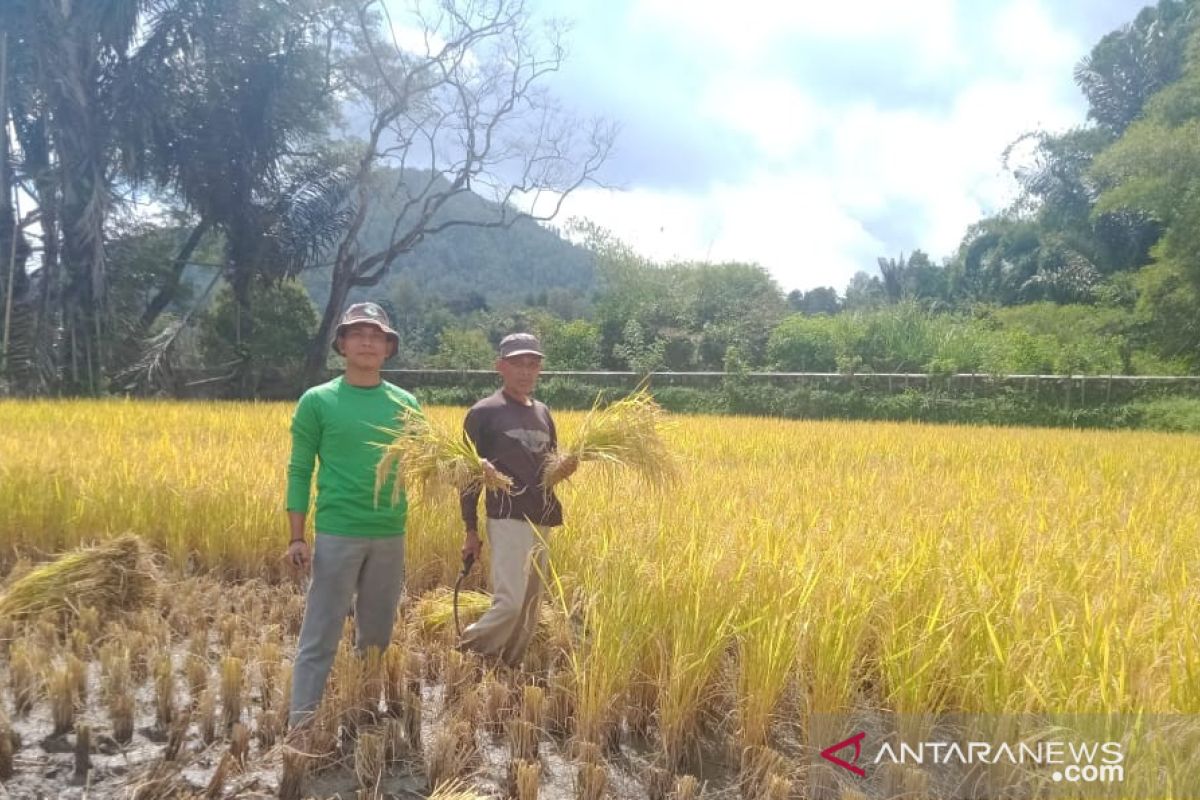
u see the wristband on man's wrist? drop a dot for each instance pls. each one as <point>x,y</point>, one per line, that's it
<point>301,539</point>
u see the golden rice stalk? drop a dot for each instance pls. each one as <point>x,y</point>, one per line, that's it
<point>120,712</point>
<point>344,691</point>
<point>47,628</point>
<point>114,667</point>
<point>20,569</point>
<point>904,780</point>
<point>113,576</point>
<point>268,671</point>
<point>370,690</point>
<point>626,434</point>
<point>561,706</point>
<point>161,782</point>
<point>227,630</point>
<point>759,766</point>
<point>522,740</point>
<point>295,769</point>
<point>231,690</point>
<point>369,760</point>
<point>449,754</point>
<point>164,691</point>
<point>8,634</point>
<point>469,708</point>
<point>395,679</point>
<point>60,687</point>
<point>141,656</point>
<point>496,704</point>
<point>779,787</point>
<point>177,735</point>
<point>26,662</point>
<point>198,642</point>
<point>425,457</point>
<point>81,645</point>
<point>434,613</point>
<point>414,669</point>
<point>89,622</point>
<point>285,691</point>
<point>207,711</point>
<point>658,783</point>
<point>455,789</point>
<point>412,720</point>
<point>586,752</point>
<point>196,671</point>
<point>239,744</point>
<point>687,787</point>
<point>527,776</point>
<point>78,670</point>
<point>458,677</point>
<point>591,781</point>
<point>533,707</point>
<point>267,728</point>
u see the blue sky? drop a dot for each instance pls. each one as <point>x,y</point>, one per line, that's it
<point>813,137</point>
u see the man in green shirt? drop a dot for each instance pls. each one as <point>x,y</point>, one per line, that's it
<point>359,549</point>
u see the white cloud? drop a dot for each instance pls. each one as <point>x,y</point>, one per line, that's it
<point>1025,38</point>
<point>753,27</point>
<point>829,171</point>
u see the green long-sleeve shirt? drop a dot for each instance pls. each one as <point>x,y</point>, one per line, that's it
<point>339,425</point>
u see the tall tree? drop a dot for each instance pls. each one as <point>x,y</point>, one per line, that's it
<point>65,57</point>
<point>458,94</point>
<point>1129,65</point>
<point>226,108</point>
<point>1155,169</point>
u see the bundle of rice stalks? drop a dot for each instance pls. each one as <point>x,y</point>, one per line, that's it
<point>434,613</point>
<point>114,576</point>
<point>626,434</point>
<point>425,458</point>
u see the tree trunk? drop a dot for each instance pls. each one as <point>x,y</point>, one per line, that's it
<point>318,349</point>
<point>167,292</point>
<point>241,281</point>
<point>84,204</point>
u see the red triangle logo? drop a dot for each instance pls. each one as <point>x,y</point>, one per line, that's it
<point>856,740</point>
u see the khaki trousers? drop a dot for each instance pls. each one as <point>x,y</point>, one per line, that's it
<point>518,553</point>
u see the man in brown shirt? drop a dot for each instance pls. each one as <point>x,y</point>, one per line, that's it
<point>514,434</point>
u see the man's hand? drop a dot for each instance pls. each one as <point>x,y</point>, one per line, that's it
<point>472,546</point>
<point>490,473</point>
<point>298,555</point>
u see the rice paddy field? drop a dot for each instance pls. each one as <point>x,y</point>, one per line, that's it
<point>799,582</point>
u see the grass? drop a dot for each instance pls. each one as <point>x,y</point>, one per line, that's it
<point>796,569</point>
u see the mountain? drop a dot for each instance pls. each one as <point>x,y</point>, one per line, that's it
<point>504,266</point>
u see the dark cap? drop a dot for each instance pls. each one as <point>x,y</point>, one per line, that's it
<point>519,344</point>
<point>365,314</point>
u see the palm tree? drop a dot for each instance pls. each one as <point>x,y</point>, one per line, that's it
<point>63,59</point>
<point>242,98</point>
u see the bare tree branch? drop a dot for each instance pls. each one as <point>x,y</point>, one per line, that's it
<point>468,103</point>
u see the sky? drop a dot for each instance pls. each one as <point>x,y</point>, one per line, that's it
<point>809,137</point>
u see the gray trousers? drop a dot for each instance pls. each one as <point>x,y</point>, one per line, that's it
<point>363,570</point>
<point>519,559</point>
